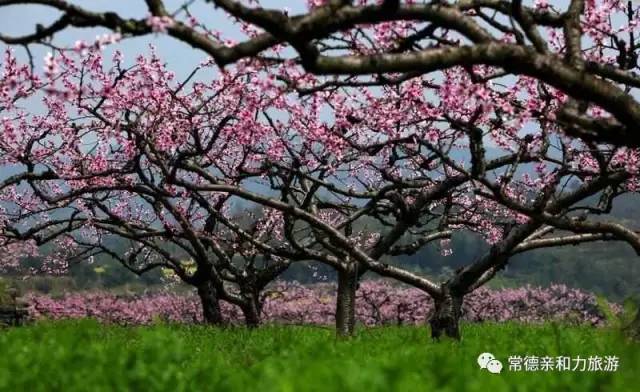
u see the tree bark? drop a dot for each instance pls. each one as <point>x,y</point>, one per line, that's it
<point>251,311</point>
<point>633,330</point>
<point>346,302</point>
<point>210,303</point>
<point>446,316</point>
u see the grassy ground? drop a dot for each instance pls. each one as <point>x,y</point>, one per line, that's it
<point>84,356</point>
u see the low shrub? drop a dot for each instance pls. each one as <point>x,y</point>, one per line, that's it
<point>379,303</point>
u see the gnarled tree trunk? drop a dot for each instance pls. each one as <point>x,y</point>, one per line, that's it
<point>446,316</point>
<point>251,311</point>
<point>210,303</point>
<point>346,302</point>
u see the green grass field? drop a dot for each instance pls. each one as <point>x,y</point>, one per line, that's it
<point>85,356</point>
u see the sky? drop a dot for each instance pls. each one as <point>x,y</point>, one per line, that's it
<point>20,20</point>
<point>181,58</point>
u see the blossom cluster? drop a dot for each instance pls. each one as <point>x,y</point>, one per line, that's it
<point>160,24</point>
<point>378,303</point>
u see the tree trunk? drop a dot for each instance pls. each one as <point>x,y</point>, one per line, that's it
<point>346,302</point>
<point>446,316</point>
<point>251,312</point>
<point>633,330</point>
<point>210,303</point>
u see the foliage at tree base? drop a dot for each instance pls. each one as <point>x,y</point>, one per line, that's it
<point>633,329</point>
<point>378,303</point>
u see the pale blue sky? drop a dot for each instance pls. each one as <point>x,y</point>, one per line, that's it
<point>21,20</point>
